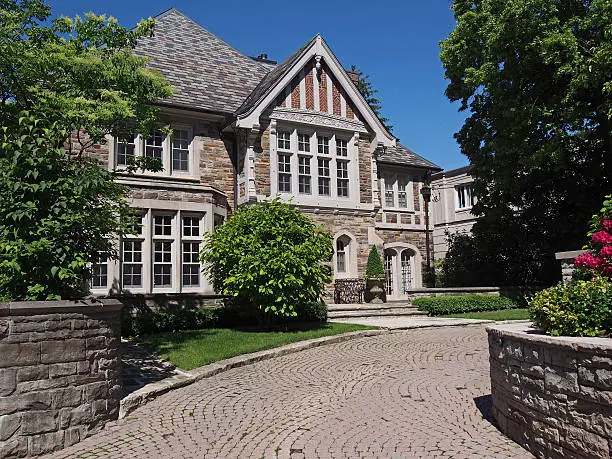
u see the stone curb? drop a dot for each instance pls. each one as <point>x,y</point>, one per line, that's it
<point>151,391</point>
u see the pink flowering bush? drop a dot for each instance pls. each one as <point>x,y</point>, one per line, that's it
<point>599,256</point>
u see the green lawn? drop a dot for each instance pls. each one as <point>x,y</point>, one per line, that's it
<point>505,314</point>
<point>193,348</point>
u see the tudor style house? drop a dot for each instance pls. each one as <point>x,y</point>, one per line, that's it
<point>245,129</point>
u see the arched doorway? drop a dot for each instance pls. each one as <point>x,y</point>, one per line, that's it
<point>400,269</point>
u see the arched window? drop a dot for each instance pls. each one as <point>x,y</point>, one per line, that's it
<point>341,249</point>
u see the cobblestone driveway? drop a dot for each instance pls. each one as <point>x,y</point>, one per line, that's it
<point>417,393</point>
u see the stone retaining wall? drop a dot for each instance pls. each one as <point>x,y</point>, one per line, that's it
<point>60,373</point>
<point>553,395</point>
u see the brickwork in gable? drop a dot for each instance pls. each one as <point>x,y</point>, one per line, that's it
<point>323,89</point>
<point>309,80</point>
<point>337,105</point>
<point>295,93</point>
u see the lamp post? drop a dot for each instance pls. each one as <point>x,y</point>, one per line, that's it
<point>426,193</point>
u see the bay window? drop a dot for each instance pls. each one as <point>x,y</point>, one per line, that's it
<point>313,164</point>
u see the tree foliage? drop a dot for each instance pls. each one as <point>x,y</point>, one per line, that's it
<point>536,79</point>
<point>269,256</point>
<point>364,85</point>
<point>64,85</point>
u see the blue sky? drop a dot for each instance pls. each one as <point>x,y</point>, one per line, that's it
<point>395,42</point>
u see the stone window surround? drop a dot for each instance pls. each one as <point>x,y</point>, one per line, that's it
<point>314,199</point>
<point>193,162</point>
<point>208,212</point>
<point>351,250</point>
<point>395,177</point>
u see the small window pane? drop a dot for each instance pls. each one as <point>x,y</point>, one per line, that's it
<point>284,173</point>
<point>324,178</point>
<point>389,195</point>
<point>191,264</point>
<point>304,179</point>
<point>323,145</point>
<point>341,147</point>
<point>343,183</point>
<point>284,140</point>
<point>303,142</point>
<point>180,150</point>
<point>162,225</point>
<point>99,275</point>
<point>126,152</point>
<point>154,145</point>
<point>132,275</point>
<point>191,226</point>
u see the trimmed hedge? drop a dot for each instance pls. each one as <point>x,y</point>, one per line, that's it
<point>443,305</point>
<point>149,322</point>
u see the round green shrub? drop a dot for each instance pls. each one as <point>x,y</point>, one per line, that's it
<point>580,308</point>
<point>269,257</point>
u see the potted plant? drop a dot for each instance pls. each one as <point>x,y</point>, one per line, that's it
<point>375,278</point>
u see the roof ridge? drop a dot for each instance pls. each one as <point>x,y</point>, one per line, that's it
<point>176,10</point>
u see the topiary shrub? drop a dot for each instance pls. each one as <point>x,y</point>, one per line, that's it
<point>444,305</point>
<point>269,257</point>
<point>374,267</point>
<point>580,308</point>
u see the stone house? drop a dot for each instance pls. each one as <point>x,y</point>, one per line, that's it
<point>452,199</point>
<point>245,129</point>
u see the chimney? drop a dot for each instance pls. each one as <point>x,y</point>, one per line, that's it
<point>263,58</point>
<point>354,76</point>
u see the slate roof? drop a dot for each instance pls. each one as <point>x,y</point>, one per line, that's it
<point>403,156</point>
<point>271,79</point>
<point>209,74</point>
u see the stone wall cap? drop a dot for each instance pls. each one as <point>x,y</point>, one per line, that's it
<point>452,289</point>
<point>523,332</point>
<point>16,308</point>
<point>568,255</point>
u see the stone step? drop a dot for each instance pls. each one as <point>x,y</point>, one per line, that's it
<point>393,312</point>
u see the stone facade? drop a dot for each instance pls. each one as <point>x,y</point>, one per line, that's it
<point>240,126</point>
<point>60,376</point>
<point>553,395</point>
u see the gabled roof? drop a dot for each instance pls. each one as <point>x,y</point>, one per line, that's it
<point>271,79</point>
<point>209,74</point>
<point>248,114</point>
<point>402,156</point>
<point>452,172</point>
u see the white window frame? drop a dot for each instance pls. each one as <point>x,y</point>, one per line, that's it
<point>298,151</point>
<point>143,239</point>
<point>190,239</point>
<point>165,238</point>
<point>466,191</point>
<point>394,179</point>
<point>167,147</point>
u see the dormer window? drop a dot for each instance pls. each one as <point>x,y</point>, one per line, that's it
<point>397,191</point>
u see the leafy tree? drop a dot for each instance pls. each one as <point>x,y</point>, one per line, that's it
<point>64,85</point>
<point>369,94</point>
<point>536,79</point>
<point>269,256</point>
<point>374,267</point>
